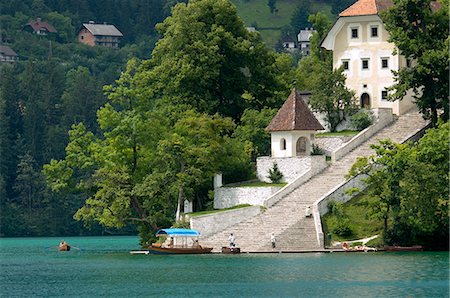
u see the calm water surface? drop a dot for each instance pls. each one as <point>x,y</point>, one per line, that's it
<point>31,267</point>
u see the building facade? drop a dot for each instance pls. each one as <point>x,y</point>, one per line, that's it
<point>304,40</point>
<point>8,55</point>
<point>99,35</point>
<point>360,45</point>
<point>39,27</point>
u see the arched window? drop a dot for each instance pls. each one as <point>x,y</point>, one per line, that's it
<point>301,145</point>
<point>283,144</point>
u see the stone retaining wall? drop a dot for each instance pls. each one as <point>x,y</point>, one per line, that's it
<point>209,224</point>
<point>226,197</point>
<point>291,167</point>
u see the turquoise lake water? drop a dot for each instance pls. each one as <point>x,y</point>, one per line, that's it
<point>103,267</point>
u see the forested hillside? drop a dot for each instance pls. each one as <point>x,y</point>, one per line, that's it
<point>57,83</point>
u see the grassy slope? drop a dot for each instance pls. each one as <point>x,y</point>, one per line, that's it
<point>361,223</point>
<point>257,11</point>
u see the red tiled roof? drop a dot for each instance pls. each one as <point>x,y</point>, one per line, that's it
<point>370,7</point>
<point>294,115</point>
<point>38,24</point>
<point>366,7</point>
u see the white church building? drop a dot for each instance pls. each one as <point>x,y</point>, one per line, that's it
<point>359,42</point>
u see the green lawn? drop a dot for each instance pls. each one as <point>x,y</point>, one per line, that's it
<point>361,223</point>
<point>256,12</point>
<point>343,133</point>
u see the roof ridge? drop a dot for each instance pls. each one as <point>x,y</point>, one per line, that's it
<point>294,115</point>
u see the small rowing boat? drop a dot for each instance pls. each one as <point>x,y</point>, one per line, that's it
<point>404,248</point>
<point>179,241</point>
<point>231,250</point>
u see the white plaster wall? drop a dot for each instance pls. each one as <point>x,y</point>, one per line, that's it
<point>330,144</point>
<point>375,79</point>
<point>291,167</point>
<point>226,197</point>
<point>291,138</point>
<point>212,223</point>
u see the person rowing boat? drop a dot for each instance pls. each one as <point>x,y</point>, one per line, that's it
<point>63,246</point>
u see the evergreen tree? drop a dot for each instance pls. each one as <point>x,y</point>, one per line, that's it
<point>275,174</point>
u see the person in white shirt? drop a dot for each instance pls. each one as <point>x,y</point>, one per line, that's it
<point>273,240</point>
<point>231,239</point>
<point>308,211</point>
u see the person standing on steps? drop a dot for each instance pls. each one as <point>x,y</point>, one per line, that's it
<point>308,211</point>
<point>273,240</point>
<point>231,239</point>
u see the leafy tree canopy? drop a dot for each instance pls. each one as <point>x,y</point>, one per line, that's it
<point>208,60</point>
<point>421,34</point>
<point>411,184</point>
<point>315,73</point>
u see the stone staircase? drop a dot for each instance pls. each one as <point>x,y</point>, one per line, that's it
<point>286,219</point>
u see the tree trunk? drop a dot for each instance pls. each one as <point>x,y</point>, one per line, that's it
<point>180,200</point>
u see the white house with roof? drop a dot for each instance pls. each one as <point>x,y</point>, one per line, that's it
<point>359,42</point>
<point>292,132</point>
<point>7,54</point>
<point>304,40</point>
<point>99,35</point>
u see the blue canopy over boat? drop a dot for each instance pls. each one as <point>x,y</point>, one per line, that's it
<point>178,232</point>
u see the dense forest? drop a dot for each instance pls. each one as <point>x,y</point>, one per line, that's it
<point>56,83</point>
<point>119,138</point>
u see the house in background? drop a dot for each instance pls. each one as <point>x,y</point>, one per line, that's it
<point>359,42</point>
<point>288,43</point>
<point>99,35</point>
<point>39,27</point>
<point>304,40</point>
<point>8,55</point>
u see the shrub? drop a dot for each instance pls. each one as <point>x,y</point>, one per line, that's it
<point>343,228</point>
<point>362,119</point>
<point>336,208</point>
<point>275,174</point>
<point>316,150</point>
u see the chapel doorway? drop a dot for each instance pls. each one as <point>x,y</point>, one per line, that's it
<point>301,146</point>
<point>365,100</point>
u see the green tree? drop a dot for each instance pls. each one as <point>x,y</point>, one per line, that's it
<point>336,101</point>
<point>275,174</point>
<point>315,73</point>
<point>63,24</point>
<point>208,60</point>
<point>147,162</point>
<point>322,25</point>
<point>252,131</point>
<point>29,183</point>
<point>422,34</point>
<point>299,19</point>
<point>272,6</point>
<point>81,99</point>
<point>412,186</point>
